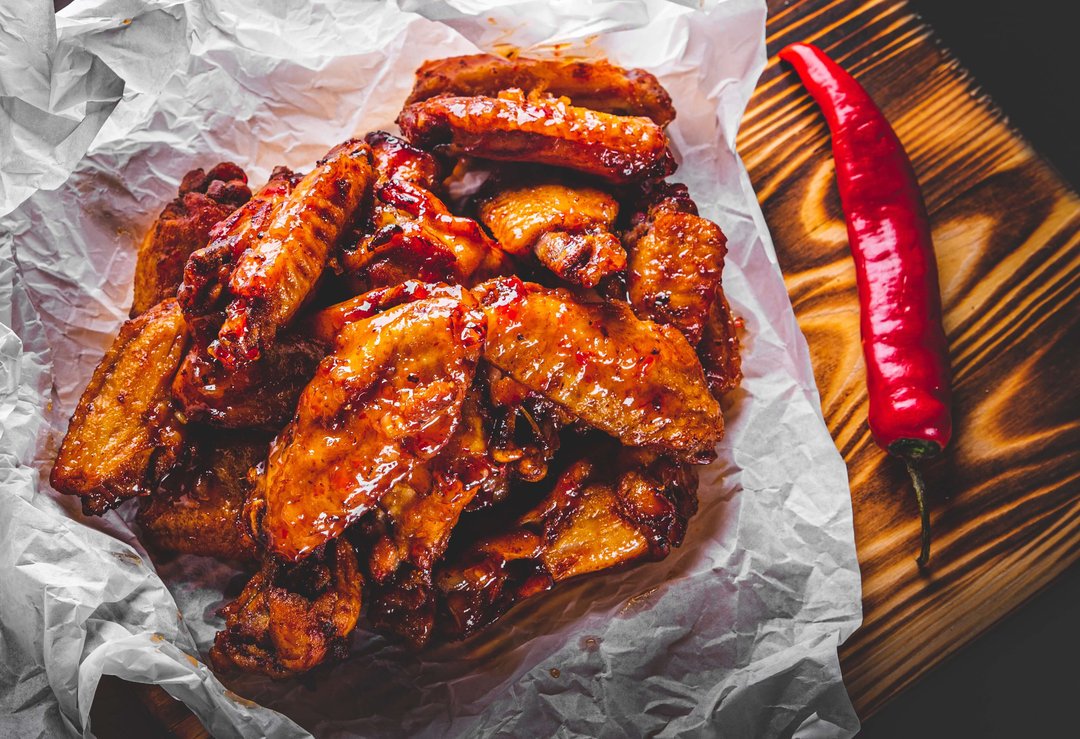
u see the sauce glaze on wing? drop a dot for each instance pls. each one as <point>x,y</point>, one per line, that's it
<point>543,130</point>
<point>387,398</point>
<point>633,379</point>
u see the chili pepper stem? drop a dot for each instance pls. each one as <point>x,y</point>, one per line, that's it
<point>924,513</point>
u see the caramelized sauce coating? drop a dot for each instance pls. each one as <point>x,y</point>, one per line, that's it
<point>183,227</point>
<point>388,398</point>
<point>541,129</point>
<point>599,85</point>
<point>124,435</point>
<point>635,380</point>
<point>291,617</point>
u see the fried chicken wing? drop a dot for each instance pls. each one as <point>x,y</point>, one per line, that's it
<point>291,617</point>
<point>196,510</point>
<point>124,434</point>
<point>262,394</point>
<point>633,379</point>
<point>675,262</point>
<point>207,271</point>
<point>183,227</point>
<point>567,227</point>
<point>543,130</point>
<point>719,348</point>
<point>274,276</point>
<point>411,234</point>
<point>525,428</point>
<point>388,398</point>
<point>599,85</point>
<point>420,514</point>
<point>593,519</point>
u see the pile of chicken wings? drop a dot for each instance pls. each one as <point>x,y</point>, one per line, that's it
<point>363,386</point>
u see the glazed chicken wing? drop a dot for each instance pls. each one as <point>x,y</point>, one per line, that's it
<point>183,227</point>
<point>567,227</point>
<point>388,398</point>
<point>274,276</point>
<point>197,509</point>
<point>262,394</point>
<point>636,380</point>
<point>208,269</point>
<point>719,348</point>
<point>419,515</point>
<point>291,617</point>
<point>675,262</point>
<point>411,234</point>
<point>594,519</point>
<point>543,130</point>
<point>124,434</point>
<point>599,85</point>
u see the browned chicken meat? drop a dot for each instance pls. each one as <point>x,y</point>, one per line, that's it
<point>411,234</point>
<point>567,227</point>
<point>197,508</point>
<point>291,617</point>
<point>636,380</point>
<point>274,276</point>
<point>719,348</point>
<point>124,435</point>
<point>540,129</point>
<point>388,398</point>
<point>599,85</point>
<point>183,227</point>
<point>595,518</point>
<point>261,394</point>
<point>675,262</point>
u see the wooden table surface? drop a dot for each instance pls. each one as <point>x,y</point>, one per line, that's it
<point>1006,498</point>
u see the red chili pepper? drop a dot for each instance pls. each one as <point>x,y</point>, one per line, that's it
<point>907,366</point>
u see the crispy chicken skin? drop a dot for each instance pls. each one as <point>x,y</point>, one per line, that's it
<point>274,276</point>
<point>675,262</point>
<point>208,269</point>
<point>388,398</point>
<point>567,227</point>
<point>124,434</point>
<point>540,129</point>
<point>593,519</point>
<point>261,394</point>
<point>410,233</point>
<point>719,348</point>
<point>197,508</point>
<point>291,617</point>
<point>633,379</point>
<point>419,516</point>
<point>599,85</point>
<point>183,227</point>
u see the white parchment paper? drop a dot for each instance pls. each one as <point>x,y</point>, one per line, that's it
<point>734,635</point>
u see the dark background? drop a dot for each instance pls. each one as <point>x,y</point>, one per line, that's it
<point>1022,679</point>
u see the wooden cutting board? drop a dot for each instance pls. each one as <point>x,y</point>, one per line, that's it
<point>1006,498</point>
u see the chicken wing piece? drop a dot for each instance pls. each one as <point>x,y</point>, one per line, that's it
<point>262,394</point>
<point>568,228</point>
<point>633,379</point>
<point>208,269</point>
<point>592,520</point>
<point>274,276</point>
<point>291,617</point>
<point>541,129</point>
<point>675,262</point>
<point>719,348</point>
<point>419,516</point>
<point>124,434</point>
<point>599,85</point>
<point>411,234</point>
<point>387,399</point>
<point>196,510</point>
<point>183,227</point>
<point>525,428</point>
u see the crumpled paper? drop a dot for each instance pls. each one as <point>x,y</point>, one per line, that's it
<point>735,634</point>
